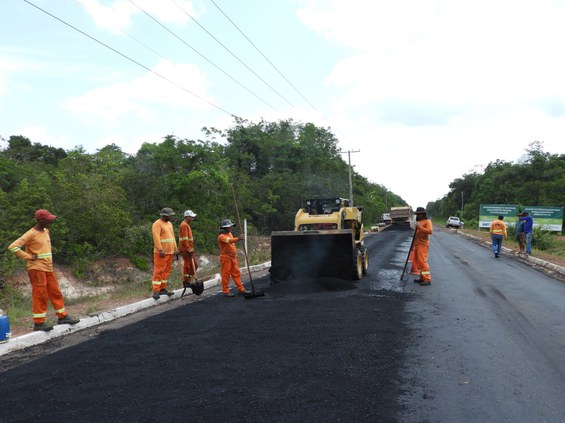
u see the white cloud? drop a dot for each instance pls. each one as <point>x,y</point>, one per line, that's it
<point>37,134</point>
<point>420,78</point>
<point>140,96</point>
<point>118,15</point>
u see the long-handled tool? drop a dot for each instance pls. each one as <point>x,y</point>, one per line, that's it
<point>408,257</point>
<point>253,293</point>
<point>181,272</point>
<point>196,286</point>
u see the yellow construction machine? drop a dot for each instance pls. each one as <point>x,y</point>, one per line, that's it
<point>327,241</point>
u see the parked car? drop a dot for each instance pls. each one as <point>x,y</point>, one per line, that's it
<point>453,222</point>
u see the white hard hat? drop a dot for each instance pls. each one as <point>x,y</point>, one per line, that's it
<point>189,213</point>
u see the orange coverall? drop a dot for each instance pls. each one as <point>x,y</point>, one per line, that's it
<point>421,247</point>
<point>414,269</point>
<point>44,285</point>
<point>186,247</point>
<point>163,239</point>
<point>229,262</point>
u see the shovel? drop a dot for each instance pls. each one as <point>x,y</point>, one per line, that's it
<point>197,287</point>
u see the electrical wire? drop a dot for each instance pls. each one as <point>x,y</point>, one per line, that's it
<point>233,54</point>
<point>156,53</point>
<point>129,58</point>
<point>265,57</point>
<point>202,55</point>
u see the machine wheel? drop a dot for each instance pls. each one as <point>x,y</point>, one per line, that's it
<point>365,257</point>
<point>357,265</point>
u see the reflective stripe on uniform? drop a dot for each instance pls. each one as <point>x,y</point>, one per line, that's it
<point>168,240</point>
<point>157,283</point>
<point>44,255</point>
<point>185,238</point>
<point>61,310</point>
<point>39,315</point>
<point>13,250</point>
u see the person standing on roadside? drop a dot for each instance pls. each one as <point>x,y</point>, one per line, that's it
<point>520,236</point>
<point>44,284</point>
<point>164,250</point>
<point>528,231</point>
<point>497,231</point>
<point>186,247</point>
<point>228,259</point>
<point>423,228</point>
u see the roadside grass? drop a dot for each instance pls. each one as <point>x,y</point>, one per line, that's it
<point>553,244</point>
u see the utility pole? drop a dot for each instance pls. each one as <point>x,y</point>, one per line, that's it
<point>350,180</point>
<point>461,203</point>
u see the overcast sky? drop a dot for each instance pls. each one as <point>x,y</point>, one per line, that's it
<point>427,91</point>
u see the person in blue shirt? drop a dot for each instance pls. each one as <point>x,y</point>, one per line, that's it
<point>528,231</point>
<point>520,237</point>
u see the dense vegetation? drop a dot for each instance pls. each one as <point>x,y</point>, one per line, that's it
<point>538,179</point>
<point>107,201</point>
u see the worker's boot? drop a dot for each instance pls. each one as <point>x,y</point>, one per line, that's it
<point>44,327</point>
<point>165,292</point>
<point>68,320</point>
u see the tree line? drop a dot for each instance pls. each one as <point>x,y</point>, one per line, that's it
<point>107,201</point>
<point>537,179</point>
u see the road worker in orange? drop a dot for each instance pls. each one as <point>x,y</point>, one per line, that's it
<point>497,231</point>
<point>164,251</point>
<point>228,259</point>
<point>186,247</point>
<point>44,285</point>
<point>423,227</point>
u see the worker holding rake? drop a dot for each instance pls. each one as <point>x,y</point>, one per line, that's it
<point>228,259</point>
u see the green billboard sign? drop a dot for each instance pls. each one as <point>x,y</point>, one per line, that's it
<point>547,217</point>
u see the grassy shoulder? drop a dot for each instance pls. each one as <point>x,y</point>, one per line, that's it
<point>553,245</point>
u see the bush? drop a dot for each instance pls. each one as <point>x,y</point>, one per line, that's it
<point>543,240</point>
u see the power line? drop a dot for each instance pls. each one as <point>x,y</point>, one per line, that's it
<point>129,58</point>
<point>201,55</point>
<point>156,53</point>
<point>265,57</point>
<point>233,54</point>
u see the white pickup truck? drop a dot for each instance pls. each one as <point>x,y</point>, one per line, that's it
<point>453,222</point>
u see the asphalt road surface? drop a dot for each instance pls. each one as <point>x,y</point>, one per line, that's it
<point>483,343</point>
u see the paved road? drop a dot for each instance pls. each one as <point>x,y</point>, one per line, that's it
<point>483,343</point>
<point>490,339</point>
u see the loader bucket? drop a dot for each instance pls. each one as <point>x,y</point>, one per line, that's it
<point>329,253</point>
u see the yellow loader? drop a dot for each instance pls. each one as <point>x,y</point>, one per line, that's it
<point>327,241</point>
